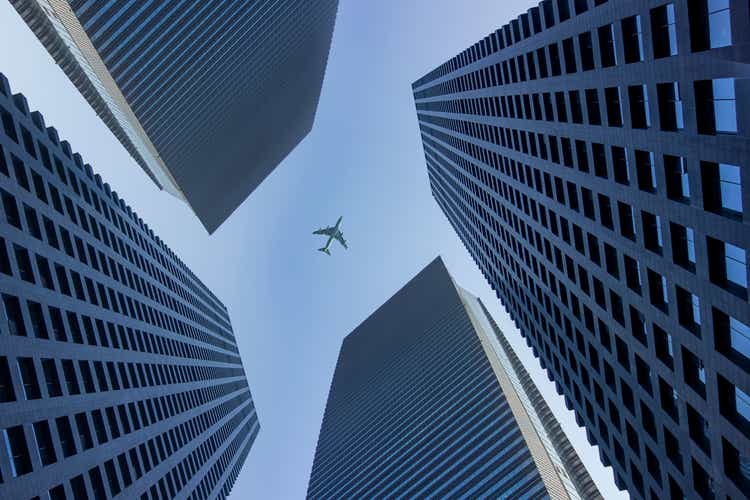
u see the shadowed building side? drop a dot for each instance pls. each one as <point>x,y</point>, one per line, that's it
<point>208,97</point>
<point>422,404</point>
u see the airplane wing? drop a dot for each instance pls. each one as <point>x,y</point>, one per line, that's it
<point>340,237</point>
<point>326,231</point>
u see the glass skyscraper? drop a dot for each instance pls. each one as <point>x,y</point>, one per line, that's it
<point>207,96</point>
<point>429,400</point>
<point>594,158</point>
<point>119,370</point>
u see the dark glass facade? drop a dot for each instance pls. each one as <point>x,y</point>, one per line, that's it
<point>422,405</point>
<point>594,158</point>
<point>119,370</point>
<point>207,96</point>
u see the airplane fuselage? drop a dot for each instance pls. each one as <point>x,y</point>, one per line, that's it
<point>332,233</point>
<point>336,232</point>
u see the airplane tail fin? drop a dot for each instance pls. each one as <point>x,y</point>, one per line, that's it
<point>324,250</point>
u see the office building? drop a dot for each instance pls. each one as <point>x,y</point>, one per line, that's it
<point>119,370</point>
<point>428,400</point>
<point>208,97</point>
<point>594,158</point>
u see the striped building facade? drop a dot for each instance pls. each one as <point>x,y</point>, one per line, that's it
<point>119,371</point>
<point>428,400</point>
<point>594,158</point>
<point>208,97</point>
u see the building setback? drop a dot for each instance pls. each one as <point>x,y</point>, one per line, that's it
<point>594,158</point>
<point>429,400</point>
<point>208,97</point>
<point>119,371</point>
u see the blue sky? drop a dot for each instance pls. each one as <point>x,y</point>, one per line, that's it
<point>290,305</point>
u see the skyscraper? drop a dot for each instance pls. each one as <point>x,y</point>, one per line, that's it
<point>119,371</point>
<point>594,158</point>
<point>429,400</point>
<point>208,97</point>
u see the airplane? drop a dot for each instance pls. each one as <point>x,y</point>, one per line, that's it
<point>332,232</point>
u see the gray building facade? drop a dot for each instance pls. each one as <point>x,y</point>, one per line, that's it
<point>429,400</point>
<point>208,97</point>
<point>593,156</point>
<point>119,370</point>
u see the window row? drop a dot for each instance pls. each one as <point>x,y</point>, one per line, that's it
<point>83,376</point>
<point>609,45</point>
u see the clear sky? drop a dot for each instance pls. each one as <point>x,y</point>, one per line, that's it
<point>290,305</point>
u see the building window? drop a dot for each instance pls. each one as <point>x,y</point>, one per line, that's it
<point>683,245</point>
<point>652,235</point>
<point>698,429</point>
<point>677,179</point>
<point>593,109</point>
<point>643,374</point>
<point>640,114</point>
<point>716,106</point>
<point>664,31</point>
<point>703,483</point>
<point>614,106</point>
<point>71,380</point>
<point>38,325</point>
<point>15,443</point>
<point>658,290</point>
<point>607,49</point>
<point>562,112</point>
<point>725,105</point>
<point>554,59</point>
<point>12,215</point>
<point>671,117</point>
<point>84,431</point>
<point>632,34</point>
<point>663,346</point>
<point>638,329</point>
<point>669,398</point>
<point>65,433</point>
<point>627,220</point>
<point>7,393</point>
<point>632,274</point>
<point>57,493</point>
<point>742,403</point>
<point>24,263</point>
<point>620,165</point>
<point>736,465</point>
<point>44,443</point>
<point>28,378</point>
<point>722,188</point>
<point>736,265</point>
<point>739,337</point>
<point>587,51</point>
<point>727,266</point>
<point>688,310</point>
<point>646,171</point>
<point>710,24</point>
<point>54,389</point>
